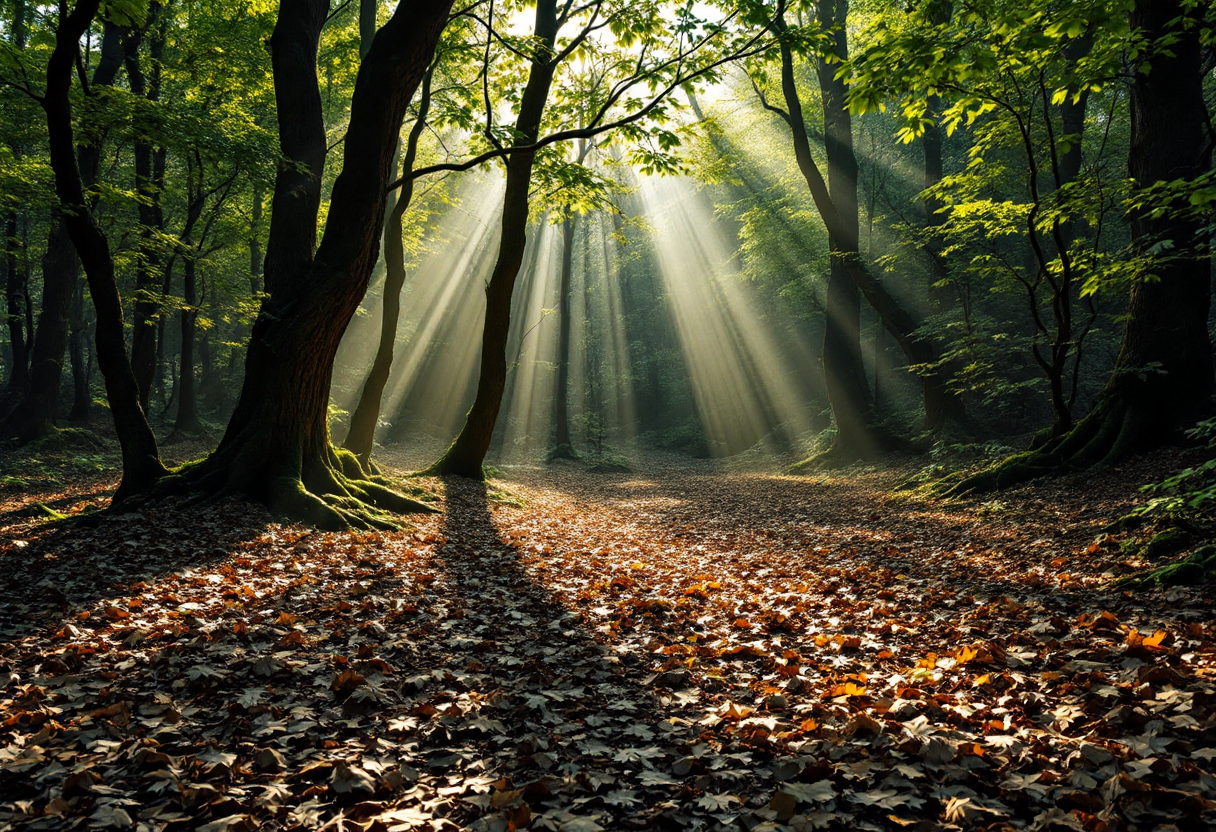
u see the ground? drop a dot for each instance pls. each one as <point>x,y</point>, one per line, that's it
<point>683,646</point>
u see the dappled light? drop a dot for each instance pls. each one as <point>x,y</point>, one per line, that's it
<point>614,415</point>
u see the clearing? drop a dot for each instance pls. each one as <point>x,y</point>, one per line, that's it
<point>682,646</point>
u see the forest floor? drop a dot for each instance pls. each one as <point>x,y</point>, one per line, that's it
<point>682,646</point>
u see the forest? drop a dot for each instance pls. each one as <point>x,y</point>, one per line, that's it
<point>582,415</point>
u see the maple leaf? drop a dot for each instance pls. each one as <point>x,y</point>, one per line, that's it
<point>347,779</point>
<point>717,802</point>
<point>821,791</point>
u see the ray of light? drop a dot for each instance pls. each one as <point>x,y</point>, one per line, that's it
<point>442,309</point>
<point>527,413</point>
<point>746,378</point>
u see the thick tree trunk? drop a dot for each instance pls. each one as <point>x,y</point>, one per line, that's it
<point>35,417</point>
<point>843,368</point>
<point>141,460</point>
<point>362,434</point>
<point>276,448</point>
<point>1163,379</point>
<point>466,455</point>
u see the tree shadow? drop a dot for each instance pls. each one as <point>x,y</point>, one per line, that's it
<point>59,569</point>
<point>579,729</point>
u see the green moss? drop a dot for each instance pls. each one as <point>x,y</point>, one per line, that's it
<point>562,451</point>
<point>1166,543</point>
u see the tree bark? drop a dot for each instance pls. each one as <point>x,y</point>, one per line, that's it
<point>276,448</point>
<point>149,184</point>
<point>141,460</point>
<point>35,416</point>
<point>1163,378</point>
<point>362,434</point>
<point>468,452</point>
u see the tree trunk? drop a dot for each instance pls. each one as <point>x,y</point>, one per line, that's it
<point>78,333</point>
<point>466,455</point>
<point>939,274</point>
<point>897,320</point>
<point>16,284</point>
<point>149,184</point>
<point>187,404</point>
<point>141,460</point>
<point>843,368</point>
<point>561,407</point>
<point>367,25</point>
<point>35,416</point>
<point>362,434</point>
<point>1163,378</point>
<point>16,296</point>
<point>276,448</point>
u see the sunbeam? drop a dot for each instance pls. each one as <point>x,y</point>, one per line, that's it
<point>749,385</point>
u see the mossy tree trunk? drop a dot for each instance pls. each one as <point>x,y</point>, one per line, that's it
<point>276,448</point>
<point>141,460</point>
<point>1162,381</point>
<point>468,452</point>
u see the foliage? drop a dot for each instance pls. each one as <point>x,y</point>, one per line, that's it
<point>1190,493</point>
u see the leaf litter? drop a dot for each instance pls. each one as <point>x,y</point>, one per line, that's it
<point>678,648</point>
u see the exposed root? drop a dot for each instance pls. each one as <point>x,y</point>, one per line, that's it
<point>1102,437</point>
<point>332,495</point>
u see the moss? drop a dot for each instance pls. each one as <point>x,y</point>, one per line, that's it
<point>1178,574</point>
<point>562,451</point>
<point>1166,543</point>
<point>1199,568</point>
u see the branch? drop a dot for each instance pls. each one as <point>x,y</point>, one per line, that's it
<point>589,131</point>
<point>770,107</point>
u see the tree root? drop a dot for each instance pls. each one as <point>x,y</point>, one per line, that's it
<point>332,494</point>
<point>1111,431</point>
<point>562,451</point>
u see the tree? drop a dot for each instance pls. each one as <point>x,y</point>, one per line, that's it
<point>141,459</point>
<point>362,433</point>
<point>35,416</point>
<point>1163,378</point>
<point>675,54</point>
<point>850,404</point>
<point>276,448</point>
